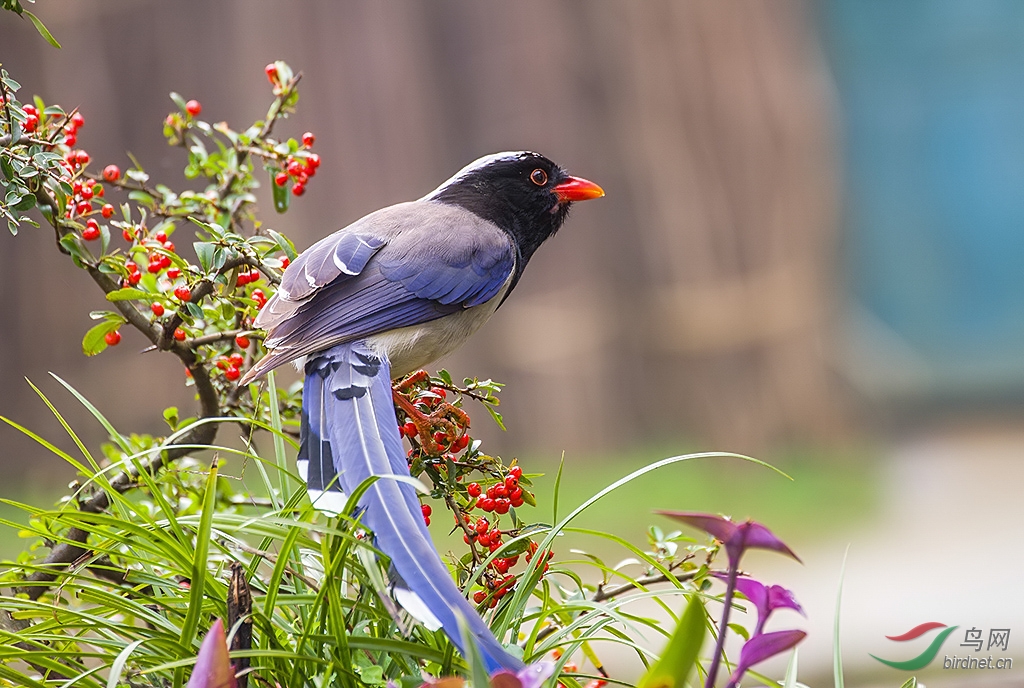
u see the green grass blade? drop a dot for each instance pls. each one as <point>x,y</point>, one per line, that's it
<point>791,672</point>
<point>275,422</point>
<point>837,651</point>
<point>107,425</point>
<point>190,628</point>
<point>117,668</point>
<point>680,654</point>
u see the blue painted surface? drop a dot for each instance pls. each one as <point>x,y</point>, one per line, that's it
<point>932,107</point>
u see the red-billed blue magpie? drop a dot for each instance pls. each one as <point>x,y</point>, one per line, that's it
<point>381,298</point>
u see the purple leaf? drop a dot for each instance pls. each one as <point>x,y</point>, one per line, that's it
<point>213,667</point>
<point>737,537</point>
<point>763,646</point>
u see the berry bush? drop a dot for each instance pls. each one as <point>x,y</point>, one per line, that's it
<point>162,535</point>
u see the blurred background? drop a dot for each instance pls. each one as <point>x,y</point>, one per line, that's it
<point>810,252</point>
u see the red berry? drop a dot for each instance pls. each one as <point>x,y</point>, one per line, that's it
<point>158,309</point>
<point>260,297</point>
<point>281,178</point>
<point>254,275</point>
<point>426,520</point>
<point>160,236</point>
<point>479,596</point>
<point>271,71</point>
<point>193,107</point>
<point>516,471</point>
<point>134,278</point>
<point>112,338</point>
<point>439,391</point>
<point>183,293</point>
<point>70,140</point>
<point>30,110</point>
<point>76,188</point>
<point>309,170</point>
<point>301,178</point>
<point>236,359</point>
<point>155,265</point>
<point>91,233</point>
<point>285,262</point>
<point>77,120</point>
<point>232,373</point>
<point>313,160</point>
<point>409,429</point>
<point>82,157</point>
<point>308,139</point>
<point>222,363</point>
<point>91,222</point>
<point>427,511</point>
<point>169,246</point>
<point>440,438</point>
<point>241,341</point>
<point>511,482</point>
<point>501,565</point>
<point>83,207</point>
<point>502,506</point>
<point>298,188</point>
<point>179,334</point>
<point>461,443</point>
<point>481,526</point>
<point>473,489</point>
<point>126,233</point>
<point>294,167</point>
<point>87,193</point>
<point>111,173</point>
<point>486,504</point>
<point>174,273</point>
<point>500,490</point>
<point>131,266</point>
<point>31,122</point>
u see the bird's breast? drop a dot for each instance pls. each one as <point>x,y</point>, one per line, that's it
<point>412,348</point>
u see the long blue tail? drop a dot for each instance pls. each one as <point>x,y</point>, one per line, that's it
<point>349,433</point>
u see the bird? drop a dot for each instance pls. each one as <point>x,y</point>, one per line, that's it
<point>381,298</point>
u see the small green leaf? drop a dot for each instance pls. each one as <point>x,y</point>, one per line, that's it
<point>281,196</point>
<point>910,683</point>
<point>204,252</point>
<point>94,341</point>
<point>178,100</point>
<point>129,294</point>
<point>171,416</point>
<point>43,31</point>
<point>679,656</point>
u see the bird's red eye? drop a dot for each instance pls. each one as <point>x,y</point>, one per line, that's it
<point>539,177</point>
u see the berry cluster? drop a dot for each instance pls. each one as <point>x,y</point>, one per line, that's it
<point>438,432</point>
<point>299,167</point>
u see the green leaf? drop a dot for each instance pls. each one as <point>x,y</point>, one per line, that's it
<point>204,252</point>
<point>791,672</point>
<point>178,100</point>
<point>130,294</point>
<point>680,655</point>
<point>285,243</point>
<point>837,652</point>
<point>910,683</point>
<point>281,197</point>
<point>94,342</point>
<point>43,31</point>
<point>190,626</point>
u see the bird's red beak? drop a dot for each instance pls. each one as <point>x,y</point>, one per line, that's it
<point>577,189</point>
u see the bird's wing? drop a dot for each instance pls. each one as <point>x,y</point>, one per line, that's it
<point>401,266</point>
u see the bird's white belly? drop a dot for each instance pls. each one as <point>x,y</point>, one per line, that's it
<point>412,348</point>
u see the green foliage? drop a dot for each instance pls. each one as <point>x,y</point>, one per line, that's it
<point>160,535</point>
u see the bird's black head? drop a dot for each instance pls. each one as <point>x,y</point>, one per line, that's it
<point>523,193</point>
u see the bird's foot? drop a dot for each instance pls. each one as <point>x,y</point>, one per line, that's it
<point>442,416</point>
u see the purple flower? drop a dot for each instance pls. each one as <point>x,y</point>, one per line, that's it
<point>765,598</point>
<point>760,648</point>
<point>737,537</point>
<point>532,676</point>
<point>213,667</point>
